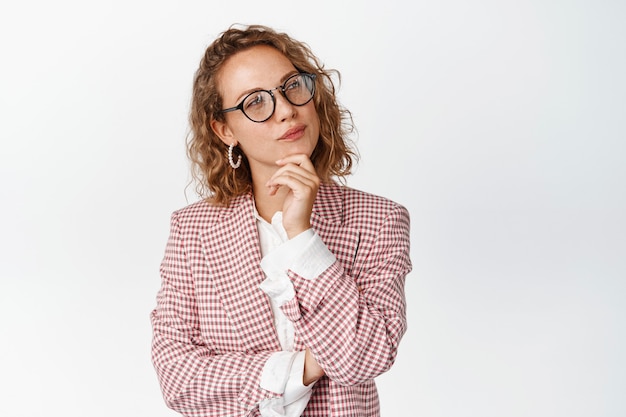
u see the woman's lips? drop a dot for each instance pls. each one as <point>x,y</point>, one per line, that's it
<point>293,133</point>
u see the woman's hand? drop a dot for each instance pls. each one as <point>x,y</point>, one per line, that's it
<point>297,173</point>
<point>312,370</point>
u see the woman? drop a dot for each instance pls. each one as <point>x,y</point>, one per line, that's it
<point>282,291</point>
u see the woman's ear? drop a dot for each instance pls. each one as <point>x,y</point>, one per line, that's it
<point>222,130</point>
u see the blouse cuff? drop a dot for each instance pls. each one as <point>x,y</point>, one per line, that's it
<point>276,371</point>
<point>306,255</point>
<point>313,259</point>
<point>295,388</point>
<point>282,374</point>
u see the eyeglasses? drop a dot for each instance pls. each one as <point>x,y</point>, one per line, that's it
<point>259,105</point>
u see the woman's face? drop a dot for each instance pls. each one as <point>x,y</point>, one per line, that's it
<point>290,130</point>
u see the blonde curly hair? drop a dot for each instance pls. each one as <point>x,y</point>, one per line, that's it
<point>332,157</point>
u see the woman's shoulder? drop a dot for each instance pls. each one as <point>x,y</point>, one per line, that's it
<point>357,202</point>
<point>203,212</point>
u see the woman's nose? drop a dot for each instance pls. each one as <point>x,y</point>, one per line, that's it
<point>284,109</point>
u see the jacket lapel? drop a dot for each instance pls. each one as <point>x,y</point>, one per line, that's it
<point>233,257</point>
<point>328,222</point>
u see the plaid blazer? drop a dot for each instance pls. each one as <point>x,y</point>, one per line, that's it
<point>213,327</point>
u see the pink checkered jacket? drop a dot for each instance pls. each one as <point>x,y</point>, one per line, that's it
<point>213,326</point>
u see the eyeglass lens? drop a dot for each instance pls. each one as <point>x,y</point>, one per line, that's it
<point>298,90</point>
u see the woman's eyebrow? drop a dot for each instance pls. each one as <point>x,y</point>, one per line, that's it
<point>289,74</point>
<point>252,90</point>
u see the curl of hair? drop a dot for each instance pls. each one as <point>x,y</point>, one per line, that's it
<point>332,157</point>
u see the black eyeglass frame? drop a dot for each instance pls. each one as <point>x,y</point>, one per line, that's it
<point>282,90</point>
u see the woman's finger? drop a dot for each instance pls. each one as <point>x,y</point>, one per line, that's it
<point>298,183</point>
<point>301,160</point>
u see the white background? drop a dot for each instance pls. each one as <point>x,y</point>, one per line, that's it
<point>499,124</point>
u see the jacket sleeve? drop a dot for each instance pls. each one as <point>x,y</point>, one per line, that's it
<point>353,324</point>
<point>191,375</point>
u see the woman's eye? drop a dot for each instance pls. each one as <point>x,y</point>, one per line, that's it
<point>255,100</point>
<point>293,85</point>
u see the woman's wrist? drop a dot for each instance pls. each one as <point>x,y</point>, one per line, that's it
<point>312,370</point>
